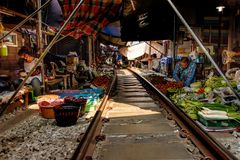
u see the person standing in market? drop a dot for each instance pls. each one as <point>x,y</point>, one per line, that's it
<point>184,71</point>
<point>155,63</point>
<point>29,61</point>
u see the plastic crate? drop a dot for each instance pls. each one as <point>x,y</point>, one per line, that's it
<point>221,123</point>
<point>92,96</point>
<point>92,100</point>
<point>65,93</point>
<point>90,106</point>
<point>95,91</point>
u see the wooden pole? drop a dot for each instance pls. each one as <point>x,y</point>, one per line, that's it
<point>90,50</point>
<point>149,56</point>
<point>94,51</point>
<point>174,42</point>
<point>230,34</point>
<point>40,42</point>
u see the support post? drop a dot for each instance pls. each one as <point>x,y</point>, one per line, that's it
<point>219,59</point>
<point>149,56</point>
<point>174,42</point>
<point>40,42</point>
<point>230,34</point>
<point>90,50</point>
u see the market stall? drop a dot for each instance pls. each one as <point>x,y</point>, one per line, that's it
<point>210,102</point>
<point>66,106</point>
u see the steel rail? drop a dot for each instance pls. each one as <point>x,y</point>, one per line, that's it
<point>42,56</point>
<point>202,47</point>
<point>207,145</point>
<point>94,128</point>
<point>25,20</point>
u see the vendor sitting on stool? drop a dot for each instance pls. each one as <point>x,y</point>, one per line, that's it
<point>185,71</point>
<point>29,62</point>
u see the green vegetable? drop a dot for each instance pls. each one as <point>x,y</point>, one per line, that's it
<point>221,107</point>
<point>207,89</point>
<point>235,115</point>
<point>193,116</point>
<point>196,85</point>
<point>215,82</point>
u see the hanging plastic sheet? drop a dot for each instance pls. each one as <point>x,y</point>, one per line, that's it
<point>134,51</point>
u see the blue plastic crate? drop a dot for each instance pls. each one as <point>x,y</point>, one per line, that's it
<point>65,93</point>
<point>98,91</point>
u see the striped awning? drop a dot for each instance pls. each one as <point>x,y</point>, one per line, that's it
<point>92,16</point>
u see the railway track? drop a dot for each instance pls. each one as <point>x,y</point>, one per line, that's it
<point>137,122</point>
<point>141,123</point>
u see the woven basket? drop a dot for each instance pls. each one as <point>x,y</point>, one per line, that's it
<point>66,115</point>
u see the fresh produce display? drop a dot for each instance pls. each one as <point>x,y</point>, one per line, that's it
<point>210,99</point>
<point>102,81</point>
<point>163,85</point>
<point>48,98</point>
<point>169,85</point>
<point>71,100</point>
<point>232,111</point>
<point>191,107</point>
<point>155,79</point>
<point>196,85</point>
<point>215,82</point>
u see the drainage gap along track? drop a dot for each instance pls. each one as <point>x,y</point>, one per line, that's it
<point>139,122</point>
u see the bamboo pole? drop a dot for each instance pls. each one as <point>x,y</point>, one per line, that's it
<point>153,47</point>
<point>149,57</point>
<point>40,42</point>
<point>42,56</point>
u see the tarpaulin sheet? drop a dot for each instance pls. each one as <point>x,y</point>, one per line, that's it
<point>92,17</point>
<point>134,51</point>
<point>113,29</point>
<point>111,39</point>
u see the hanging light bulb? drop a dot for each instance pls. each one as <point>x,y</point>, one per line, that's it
<point>220,8</point>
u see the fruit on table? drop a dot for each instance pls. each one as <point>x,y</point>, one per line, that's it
<point>102,81</point>
<point>74,100</point>
<point>173,85</point>
<point>196,85</point>
<point>201,90</point>
<point>207,89</point>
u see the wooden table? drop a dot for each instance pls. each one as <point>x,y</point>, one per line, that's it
<point>66,79</point>
<point>52,82</point>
